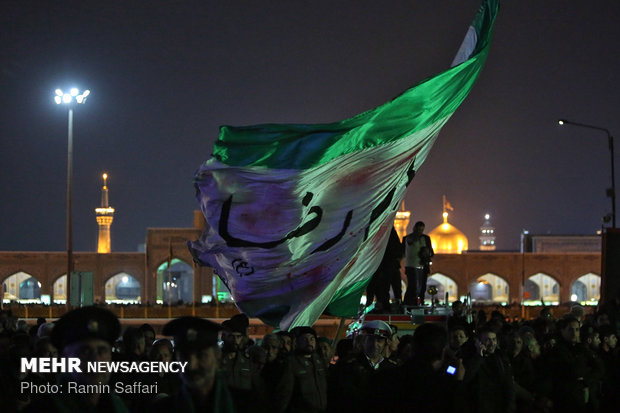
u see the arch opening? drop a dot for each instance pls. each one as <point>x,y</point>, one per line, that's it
<point>175,282</point>
<point>586,290</point>
<point>444,285</point>
<point>541,289</point>
<point>123,288</point>
<point>22,288</point>
<point>489,288</point>
<point>60,290</point>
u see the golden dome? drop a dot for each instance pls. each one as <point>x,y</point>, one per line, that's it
<point>447,239</point>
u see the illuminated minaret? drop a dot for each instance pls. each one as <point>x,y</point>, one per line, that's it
<point>105,215</point>
<point>487,235</point>
<point>402,220</point>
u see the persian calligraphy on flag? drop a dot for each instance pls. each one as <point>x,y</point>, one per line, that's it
<point>298,216</point>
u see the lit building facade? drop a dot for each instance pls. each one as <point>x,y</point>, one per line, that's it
<point>515,277</point>
<point>138,277</point>
<point>401,222</point>
<point>165,273</point>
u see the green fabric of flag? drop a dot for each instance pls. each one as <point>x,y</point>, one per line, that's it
<point>298,216</point>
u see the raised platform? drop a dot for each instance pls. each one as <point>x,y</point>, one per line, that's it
<point>406,323</point>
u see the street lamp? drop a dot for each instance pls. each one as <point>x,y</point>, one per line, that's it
<point>74,96</point>
<point>610,139</point>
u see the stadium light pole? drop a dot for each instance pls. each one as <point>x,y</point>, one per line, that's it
<point>74,96</point>
<point>610,139</point>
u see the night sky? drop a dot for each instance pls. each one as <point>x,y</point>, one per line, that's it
<point>164,75</point>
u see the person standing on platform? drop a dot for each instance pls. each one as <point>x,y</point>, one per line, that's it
<point>418,254</point>
<point>388,274</point>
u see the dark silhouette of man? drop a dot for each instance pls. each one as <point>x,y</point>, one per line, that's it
<point>303,385</point>
<point>388,274</point>
<point>203,388</point>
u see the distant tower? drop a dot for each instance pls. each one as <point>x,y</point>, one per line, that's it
<point>487,235</point>
<point>402,220</point>
<point>105,216</point>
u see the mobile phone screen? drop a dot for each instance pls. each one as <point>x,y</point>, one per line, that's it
<point>451,370</point>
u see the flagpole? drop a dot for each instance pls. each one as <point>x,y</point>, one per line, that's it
<point>338,332</point>
<point>194,268</point>
<point>168,295</point>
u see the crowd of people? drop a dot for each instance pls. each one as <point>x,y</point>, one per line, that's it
<point>469,364</point>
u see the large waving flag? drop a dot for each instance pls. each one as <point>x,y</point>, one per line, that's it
<point>298,216</point>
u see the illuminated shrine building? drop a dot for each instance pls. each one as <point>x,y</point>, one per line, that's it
<point>487,235</point>
<point>105,216</point>
<point>446,238</point>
